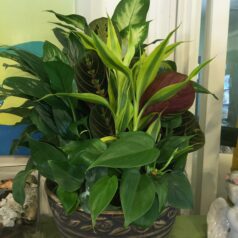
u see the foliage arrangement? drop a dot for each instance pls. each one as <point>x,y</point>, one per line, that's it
<point>115,129</point>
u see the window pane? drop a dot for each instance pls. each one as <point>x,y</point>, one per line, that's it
<point>230,101</point>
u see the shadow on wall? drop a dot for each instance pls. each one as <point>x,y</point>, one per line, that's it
<point>9,133</point>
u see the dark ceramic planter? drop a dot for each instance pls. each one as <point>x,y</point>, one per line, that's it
<point>109,224</point>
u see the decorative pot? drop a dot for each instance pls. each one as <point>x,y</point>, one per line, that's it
<point>109,224</point>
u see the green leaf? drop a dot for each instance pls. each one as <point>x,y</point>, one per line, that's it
<point>150,217</point>
<point>170,144</point>
<point>68,176</point>
<point>109,57</point>
<point>69,200</point>
<point>100,27</point>
<point>190,127</point>
<point>40,125</point>
<point>151,66</point>
<point>41,154</point>
<point>62,120</point>
<point>101,195</point>
<point>84,152</point>
<point>154,129</point>
<point>180,192</point>
<point>18,111</point>
<point>75,49</point>
<point>62,36</point>
<point>75,20</point>
<point>131,12</point>
<point>162,189</point>
<point>130,150</point>
<point>200,89</point>
<point>86,40</point>
<point>60,75</point>
<point>137,195</point>
<point>198,69</point>
<point>28,62</point>
<point>53,53</point>
<point>112,39</point>
<point>19,183</point>
<point>27,86</point>
<point>139,33</point>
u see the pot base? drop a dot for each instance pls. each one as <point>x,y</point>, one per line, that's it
<point>79,224</point>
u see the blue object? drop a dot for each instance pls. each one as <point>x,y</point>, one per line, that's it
<point>10,133</point>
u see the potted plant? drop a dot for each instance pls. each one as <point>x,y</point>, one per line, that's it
<point>115,129</point>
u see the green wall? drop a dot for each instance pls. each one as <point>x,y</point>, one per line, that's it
<point>26,21</point>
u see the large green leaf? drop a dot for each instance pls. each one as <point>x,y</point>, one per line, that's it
<point>101,195</point>
<point>137,195</point>
<point>69,200</point>
<point>60,75</point>
<point>27,86</point>
<point>162,189</point>
<point>131,12</point>
<point>130,150</point>
<point>68,176</point>
<point>19,186</point>
<point>84,153</point>
<point>73,19</point>
<point>53,53</point>
<point>41,154</point>
<point>149,217</point>
<point>179,191</point>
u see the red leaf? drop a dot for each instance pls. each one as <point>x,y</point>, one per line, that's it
<point>182,101</point>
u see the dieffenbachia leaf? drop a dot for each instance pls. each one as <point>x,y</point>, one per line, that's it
<point>131,12</point>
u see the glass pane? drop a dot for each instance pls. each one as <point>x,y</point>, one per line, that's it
<point>230,101</point>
